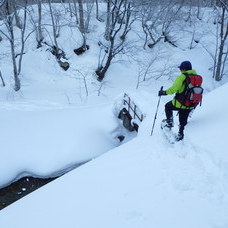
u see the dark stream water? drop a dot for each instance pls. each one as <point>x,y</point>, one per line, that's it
<point>20,188</point>
<point>26,185</point>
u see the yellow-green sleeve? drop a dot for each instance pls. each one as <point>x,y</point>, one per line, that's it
<point>178,85</point>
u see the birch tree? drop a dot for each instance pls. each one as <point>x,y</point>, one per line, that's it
<point>55,49</point>
<point>222,41</point>
<point>97,11</point>
<point>8,20</point>
<point>157,19</point>
<point>108,18</point>
<point>1,77</point>
<point>120,25</point>
<point>84,20</point>
<point>39,34</point>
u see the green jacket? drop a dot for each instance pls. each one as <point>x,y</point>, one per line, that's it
<point>178,87</point>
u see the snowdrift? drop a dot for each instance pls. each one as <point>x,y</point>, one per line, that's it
<point>144,183</point>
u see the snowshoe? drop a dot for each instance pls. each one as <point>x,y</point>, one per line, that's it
<point>167,130</point>
<point>179,137</point>
<point>167,123</point>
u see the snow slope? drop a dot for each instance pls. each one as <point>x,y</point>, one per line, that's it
<point>144,183</point>
<point>51,125</point>
<point>46,141</point>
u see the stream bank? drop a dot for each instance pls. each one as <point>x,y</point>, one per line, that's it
<point>20,188</point>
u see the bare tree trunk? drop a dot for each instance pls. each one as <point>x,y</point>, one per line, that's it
<point>70,8</point>
<point>3,83</point>
<point>82,21</point>
<point>97,10</point>
<point>83,25</point>
<point>17,19</point>
<point>55,50</point>
<point>120,14</point>
<point>89,7</point>
<point>126,22</point>
<point>53,26</point>
<point>17,83</point>
<point>102,70</point>
<point>158,19</point>
<point>9,7</point>
<point>9,25</point>
<point>12,8</point>
<point>39,35</point>
<point>223,39</point>
<point>75,11</point>
<point>8,20</point>
<point>23,37</point>
<point>108,17</point>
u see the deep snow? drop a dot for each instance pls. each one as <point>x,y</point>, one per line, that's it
<point>52,125</point>
<point>144,183</point>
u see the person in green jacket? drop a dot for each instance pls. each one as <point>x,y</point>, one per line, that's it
<point>174,105</point>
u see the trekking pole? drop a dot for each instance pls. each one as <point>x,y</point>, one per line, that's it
<point>155,117</point>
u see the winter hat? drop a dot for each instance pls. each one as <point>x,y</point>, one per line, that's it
<point>186,65</point>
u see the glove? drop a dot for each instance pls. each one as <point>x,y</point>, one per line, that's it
<point>162,93</point>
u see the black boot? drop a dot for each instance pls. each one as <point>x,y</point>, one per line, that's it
<point>180,135</point>
<point>167,123</point>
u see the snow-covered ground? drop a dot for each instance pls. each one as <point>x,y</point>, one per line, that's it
<point>51,126</point>
<point>144,183</point>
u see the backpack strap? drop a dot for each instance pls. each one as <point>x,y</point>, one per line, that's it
<point>186,78</point>
<point>180,96</point>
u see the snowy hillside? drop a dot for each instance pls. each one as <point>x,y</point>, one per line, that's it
<point>143,183</point>
<point>49,140</point>
<point>60,119</point>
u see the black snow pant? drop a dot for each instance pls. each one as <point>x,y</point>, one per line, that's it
<point>183,115</point>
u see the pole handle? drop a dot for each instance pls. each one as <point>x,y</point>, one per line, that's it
<point>155,117</point>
